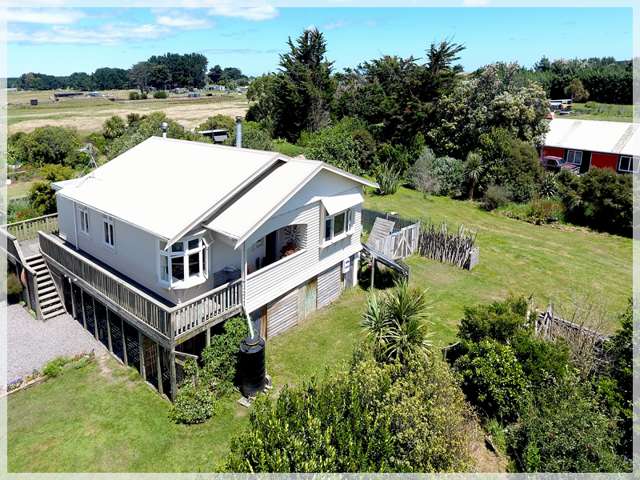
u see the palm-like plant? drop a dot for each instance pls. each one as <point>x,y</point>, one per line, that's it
<point>396,323</point>
<point>473,169</point>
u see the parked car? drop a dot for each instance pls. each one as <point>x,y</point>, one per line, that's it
<point>556,164</point>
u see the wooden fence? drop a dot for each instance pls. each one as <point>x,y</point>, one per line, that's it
<point>584,342</point>
<point>399,244</point>
<point>457,248</point>
<point>26,273</point>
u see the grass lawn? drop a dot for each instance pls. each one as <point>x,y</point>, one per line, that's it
<point>601,111</point>
<point>96,418</point>
<point>19,189</point>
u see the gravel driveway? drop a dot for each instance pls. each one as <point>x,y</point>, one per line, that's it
<point>32,343</point>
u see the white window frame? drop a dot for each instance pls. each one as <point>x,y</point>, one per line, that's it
<point>633,162</point>
<point>571,157</point>
<point>84,220</point>
<point>165,277</point>
<point>348,226</point>
<point>109,235</point>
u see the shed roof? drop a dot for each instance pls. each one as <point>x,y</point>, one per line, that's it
<point>162,184</point>
<point>594,136</point>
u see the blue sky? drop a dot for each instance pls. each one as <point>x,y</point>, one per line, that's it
<point>61,41</point>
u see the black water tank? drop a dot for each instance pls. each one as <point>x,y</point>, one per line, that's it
<point>252,366</point>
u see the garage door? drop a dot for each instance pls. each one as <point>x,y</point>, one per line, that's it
<point>329,285</point>
<point>282,314</point>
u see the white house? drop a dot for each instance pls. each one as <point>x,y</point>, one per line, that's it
<point>159,246</point>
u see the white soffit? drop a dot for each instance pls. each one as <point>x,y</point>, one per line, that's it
<point>337,203</point>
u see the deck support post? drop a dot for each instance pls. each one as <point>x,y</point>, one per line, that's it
<point>84,315</point>
<point>143,370</point>
<point>172,375</point>
<point>95,319</point>
<point>124,342</point>
<point>109,331</point>
<point>208,336</point>
<point>159,369</point>
<point>373,271</point>
<point>74,313</point>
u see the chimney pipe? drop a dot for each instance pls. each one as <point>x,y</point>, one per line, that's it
<point>239,132</point>
<point>164,126</point>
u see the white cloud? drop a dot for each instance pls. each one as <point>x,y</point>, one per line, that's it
<point>186,22</point>
<point>249,10</point>
<point>43,16</point>
<point>105,35</point>
<point>475,3</point>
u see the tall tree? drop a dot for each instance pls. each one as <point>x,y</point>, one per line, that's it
<point>139,75</point>
<point>215,73</point>
<point>304,89</point>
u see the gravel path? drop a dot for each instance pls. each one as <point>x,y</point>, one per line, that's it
<point>32,343</point>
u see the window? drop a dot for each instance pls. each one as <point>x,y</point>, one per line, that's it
<point>337,225</point>
<point>84,220</point>
<point>575,157</point>
<point>629,164</point>
<point>109,238</point>
<point>186,260</point>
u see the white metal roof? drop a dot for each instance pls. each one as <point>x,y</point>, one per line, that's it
<point>163,184</point>
<point>337,203</point>
<point>594,136</point>
<point>259,202</point>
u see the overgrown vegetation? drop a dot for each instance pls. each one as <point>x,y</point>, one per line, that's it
<point>554,411</point>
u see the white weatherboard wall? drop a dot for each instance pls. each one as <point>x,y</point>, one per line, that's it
<point>282,314</point>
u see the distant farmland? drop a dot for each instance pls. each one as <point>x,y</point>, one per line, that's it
<point>88,113</point>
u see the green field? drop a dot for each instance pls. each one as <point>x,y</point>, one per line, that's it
<point>19,189</point>
<point>602,111</point>
<point>96,418</point>
<point>87,114</point>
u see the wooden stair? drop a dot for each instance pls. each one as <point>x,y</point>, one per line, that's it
<point>48,298</point>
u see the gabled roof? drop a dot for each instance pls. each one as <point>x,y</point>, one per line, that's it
<point>594,136</point>
<point>161,185</point>
<point>167,187</point>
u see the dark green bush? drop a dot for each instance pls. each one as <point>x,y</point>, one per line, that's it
<point>600,199</point>
<point>373,418</point>
<point>46,145</point>
<point>134,96</point>
<point>499,321</point>
<point>563,429</point>
<point>220,358</point>
<point>195,403</point>
<point>541,361</point>
<point>495,197</point>
<point>55,366</point>
<point>493,379</point>
<point>160,94</point>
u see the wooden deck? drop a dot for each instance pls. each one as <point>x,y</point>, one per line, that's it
<point>169,324</point>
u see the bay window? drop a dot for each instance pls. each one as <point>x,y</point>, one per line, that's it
<point>185,263</point>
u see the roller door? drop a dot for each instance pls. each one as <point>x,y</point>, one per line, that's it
<point>282,314</point>
<point>329,285</point>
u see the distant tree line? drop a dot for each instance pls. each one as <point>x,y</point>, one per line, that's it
<point>605,79</point>
<point>171,70</point>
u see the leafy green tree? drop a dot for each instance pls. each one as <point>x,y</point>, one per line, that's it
<point>304,88</point>
<point>113,127</point>
<point>80,81</point>
<point>395,323</point>
<point>110,78</point>
<point>215,74</point>
<point>41,195</point>
<point>218,122</point>
<point>262,95</point>
<point>253,136</point>
<point>139,76</point>
<point>576,91</point>
<point>46,145</point>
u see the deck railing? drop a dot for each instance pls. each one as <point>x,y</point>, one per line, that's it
<point>170,321</point>
<point>28,229</point>
<point>15,252</point>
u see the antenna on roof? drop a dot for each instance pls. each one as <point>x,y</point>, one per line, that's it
<point>164,126</point>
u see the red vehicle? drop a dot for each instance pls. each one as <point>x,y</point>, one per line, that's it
<point>551,162</point>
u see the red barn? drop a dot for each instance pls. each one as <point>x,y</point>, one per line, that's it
<point>584,144</point>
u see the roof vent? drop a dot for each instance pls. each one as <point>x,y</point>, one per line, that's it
<point>239,132</point>
<point>164,126</point>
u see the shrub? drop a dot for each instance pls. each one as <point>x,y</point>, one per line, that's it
<point>388,179</point>
<point>41,195</point>
<point>545,210</point>
<point>373,418</point>
<point>286,148</point>
<point>46,145</point>
<point>218,121</point>
<point>493,380</point>
<point>134,96</point>
<point>14,287</point>
<point>113,127</point>
<point>220,358</point>
<point>55,366</point>
<point>542,361</point>
<point>439,175</point>
<point>395,323</point>
<point>600,199</point>
<point>253,136</point>
<point>548,187</point>
<point>421,176</point>
<point>193,404</point>
<point>564,430</point>
<point>499,321</point>
<point>495,197</point>
<point>160,94</point>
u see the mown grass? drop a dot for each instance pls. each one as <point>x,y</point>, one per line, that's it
<point>96,418</point>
